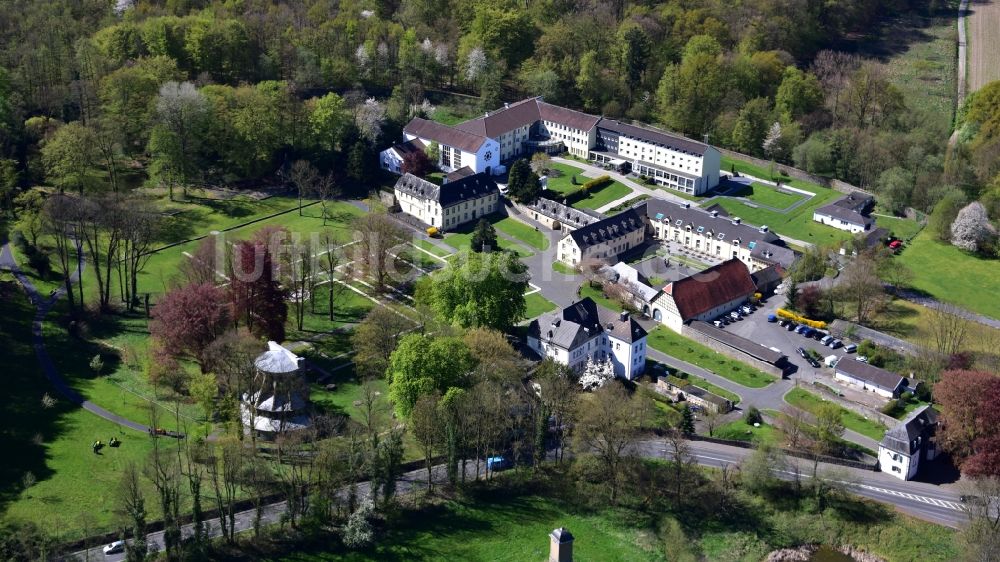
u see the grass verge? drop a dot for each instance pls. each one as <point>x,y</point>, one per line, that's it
<point>675,345</point>
<point>801,398</point>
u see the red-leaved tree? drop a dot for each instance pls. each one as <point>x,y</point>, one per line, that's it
<point>416,163</point>
<point>189,318</point>
<point>970,416</point>
<point>257,296</point>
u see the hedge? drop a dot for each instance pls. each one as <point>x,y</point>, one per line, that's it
<point>596,183</point>
<point>818,324</point>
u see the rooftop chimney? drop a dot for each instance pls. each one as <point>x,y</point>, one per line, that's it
<point>560,545</point>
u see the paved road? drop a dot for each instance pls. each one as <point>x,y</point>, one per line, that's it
<point>42,307</point>
<point>921,500</point>
<point>925,501</point>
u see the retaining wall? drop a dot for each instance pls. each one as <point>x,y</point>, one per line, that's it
<point>731,352</point>
<point>832,183</point>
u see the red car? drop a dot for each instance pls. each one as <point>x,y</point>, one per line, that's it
<point>895,245</point>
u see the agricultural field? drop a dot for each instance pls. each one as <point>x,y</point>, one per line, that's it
<point>673,344</point>
<point>801,398</point>
<point>912,322</point>
<point>951,275</point>
<point>798,223</point>
<point>984,43</point>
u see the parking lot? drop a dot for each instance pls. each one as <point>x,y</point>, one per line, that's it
<point>755,327</point>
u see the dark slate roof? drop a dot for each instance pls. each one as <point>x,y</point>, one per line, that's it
<point>610,228</point>
<point>869,373</point>
<point>567,117</point>
<point>773,254</point>
<point>564,213</point>
<point>654,136</point>
<point>506,119</point>
<point>707,396</point>
<point>443,134</point>
<point>661,209</point>
<point>451,193</point>
<point>750,347</point>
<point>715,286</point>
<point>770,276</point>
<point>842,213</point>
<point>460,173</point>
<point>920,423</point>
<point>582,320</point>
<point>876,237</point>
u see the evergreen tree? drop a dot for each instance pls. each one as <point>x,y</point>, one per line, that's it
<point>687,420</point>
<point>523,184</point>
<point>792,294</point>
<point>484,237</point>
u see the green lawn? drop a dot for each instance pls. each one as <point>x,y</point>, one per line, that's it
<point>796,224</point>
<point>768,195</point>
<point>564,183</point>
<point>675,345</point>
<point>595,293</point>
<point>461,239</point>
<point>899,227</point>
<point>527,234</point>
<point>951,275</point>
<point>453,115</point>
<point>500,526</point>
<point>430,247</point>
<point>699,381</point>
<point>563,268</point>
<point>611,192</point>
<point>739,430</point>
<point>536,305</point>
<point>801,398</point>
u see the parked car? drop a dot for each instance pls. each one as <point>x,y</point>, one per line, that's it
<point>862,358</point>
<point>719,323</point>
<point>812,362</point>
<point>791,326</point>
<point>826,340</point>
<point>800,328</point>
<point>808,332</point>
<point>835,344</point>
<point>746,309</point>
<point>734,315</point>
<point>895,245</point>
<point>772,318</point>
<point>801,352</point>
<point>850,348</point>
<point>497,463</point>
<point>116,547</point>
<point>782,322</point>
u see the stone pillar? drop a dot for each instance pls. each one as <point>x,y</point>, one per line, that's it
<point>560,546</point>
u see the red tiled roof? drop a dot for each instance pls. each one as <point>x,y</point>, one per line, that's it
<point>715,286</point>
<point>510,117</point>
<point>567,117</point>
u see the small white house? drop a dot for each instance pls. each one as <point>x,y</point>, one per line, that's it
<point>904,446</point>
<point>585,331</point>
<point>848,213</point>
<point>391,159</point>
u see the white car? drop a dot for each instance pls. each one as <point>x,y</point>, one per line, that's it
<point>116,547</point>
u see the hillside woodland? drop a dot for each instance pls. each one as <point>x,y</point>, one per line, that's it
<point>105,94</point>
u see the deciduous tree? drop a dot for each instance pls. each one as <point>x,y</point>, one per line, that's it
<point>257,297</point>
<point>189,318</point>
<point>970,412</point>
<point>482,290</point>
<point>972,230</point>
<point>375,338</point>
<point>424,364</point>
<point>484,237</point>
<point>606,427</point>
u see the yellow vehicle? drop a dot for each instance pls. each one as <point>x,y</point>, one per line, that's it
<point>433,232</point>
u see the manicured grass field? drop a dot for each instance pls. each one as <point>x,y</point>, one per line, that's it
<point>899,227</point>
<point>522,232</point>
<point>564,183</point>
<point>801,398</point>
<point>536,305</point>
<point>500,527</point>
<point>770,196</point>
<point>739,430</point>
<point>432,248</point>
<point>461,239</point>
<point>912,322</point>
<point>563,268</point>
<point>796,224</point>
<point>607,194</point>
<point>954,276</point>
<point>675,345</point>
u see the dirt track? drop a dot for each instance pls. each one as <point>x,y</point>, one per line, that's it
<point>984,42</point>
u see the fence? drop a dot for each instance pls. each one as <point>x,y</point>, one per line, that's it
<point>832,183</point>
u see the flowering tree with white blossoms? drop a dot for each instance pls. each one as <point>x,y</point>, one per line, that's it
<point>475,64</point>
<point>370,116</point>
<point>972,230</point>
<point>597,373</point>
